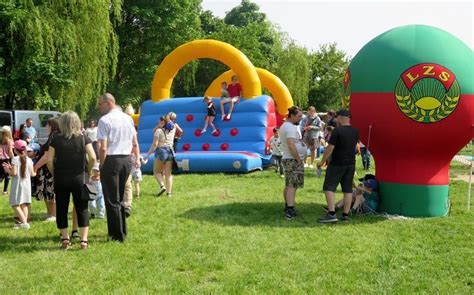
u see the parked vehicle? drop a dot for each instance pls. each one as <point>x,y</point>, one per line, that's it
<point>17,117</point>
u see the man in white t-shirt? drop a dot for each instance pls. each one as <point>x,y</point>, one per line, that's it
<point>294,153</point>
<point>117,139</point>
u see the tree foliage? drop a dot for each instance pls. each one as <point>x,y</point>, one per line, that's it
<point>56,54</point>
<point>60,54</point>
<point>244,14</point>
<point>328,66</point>
<point>149,30</point>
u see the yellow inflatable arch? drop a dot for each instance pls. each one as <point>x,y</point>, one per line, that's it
<point>277,88</point>
<point>220,51</point>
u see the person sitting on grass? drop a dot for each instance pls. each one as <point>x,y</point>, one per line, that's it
<point>211,115</point>
<point>364,197</point>
<point>235,93</point>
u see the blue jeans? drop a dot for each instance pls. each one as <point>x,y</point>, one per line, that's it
<point>365,154</point>
<point>97,207</point>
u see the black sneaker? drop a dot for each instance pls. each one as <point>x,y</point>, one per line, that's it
<point>290,213</point>
<point>162,191</point>
<point>328,218</point>
<point>344,218</point>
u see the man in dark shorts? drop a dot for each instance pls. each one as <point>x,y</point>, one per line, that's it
<point>341,168</point>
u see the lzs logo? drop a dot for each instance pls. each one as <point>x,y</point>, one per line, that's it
<point>427,93</point>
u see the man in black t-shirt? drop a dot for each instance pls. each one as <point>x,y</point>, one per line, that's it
<point>341,167</point>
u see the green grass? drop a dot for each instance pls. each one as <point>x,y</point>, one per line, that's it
<point>226,234</point>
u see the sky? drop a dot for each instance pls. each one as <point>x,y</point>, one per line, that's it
<point>351,24</point>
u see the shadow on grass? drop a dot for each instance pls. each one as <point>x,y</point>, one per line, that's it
<point>8,220</point>
<point>267,214</point>
<point>21,243</point>
<point>17,242</point>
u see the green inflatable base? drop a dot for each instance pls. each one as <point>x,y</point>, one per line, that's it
<point>414,200</point>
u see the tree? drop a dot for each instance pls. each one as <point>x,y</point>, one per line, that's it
<point>245,28</point>
<point>328,66</point>
<point>293,68</point>
<point>149,30</point>
<point>245,14</point>
<point>53,56</point>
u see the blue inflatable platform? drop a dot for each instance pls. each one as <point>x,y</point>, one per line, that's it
<point>239,146</point>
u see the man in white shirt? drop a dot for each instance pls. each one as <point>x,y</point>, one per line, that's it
<point>294,153</point>
<point>117,138</point>
<point>30,131</point>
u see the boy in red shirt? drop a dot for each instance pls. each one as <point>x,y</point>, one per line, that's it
<point>235,93</point>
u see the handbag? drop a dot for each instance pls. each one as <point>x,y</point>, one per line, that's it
<point>89,192</point>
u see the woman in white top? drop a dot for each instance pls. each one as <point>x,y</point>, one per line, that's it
<point>21,170</point>
<point>164,155</point>
<point>91,132</point>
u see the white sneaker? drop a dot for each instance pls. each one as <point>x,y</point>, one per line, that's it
<point>24,226</point>
<point>16,226</point>
<point>282,176</point>
<point>204,130</point>
<point>306,165</point>
<point>223,117</point>
<point>50,219</point>
<point>311,166</point>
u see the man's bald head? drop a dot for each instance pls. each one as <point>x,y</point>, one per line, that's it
<point>106,103</point>
<point>107,97</point>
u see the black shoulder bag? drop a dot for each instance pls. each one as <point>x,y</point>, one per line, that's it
<point>89,192</point>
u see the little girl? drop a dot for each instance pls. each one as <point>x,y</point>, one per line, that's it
<point>21,170</point>
<point>224,91</point>
<point>6,154</point>
<point>211,115</point>
<point>137,177</point>
<point>97,206</point>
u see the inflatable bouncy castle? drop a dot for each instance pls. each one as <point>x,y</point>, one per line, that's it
<point>240,144</point>
<point>411,95</point>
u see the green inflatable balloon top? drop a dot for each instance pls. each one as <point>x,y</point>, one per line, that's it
<point>378,65</point>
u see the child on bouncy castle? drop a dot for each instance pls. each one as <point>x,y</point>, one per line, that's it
<point>235,93</point>
<point>211,114</point>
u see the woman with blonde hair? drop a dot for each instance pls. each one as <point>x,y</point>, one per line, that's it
<point>6,154</point>
<point>66,159</point>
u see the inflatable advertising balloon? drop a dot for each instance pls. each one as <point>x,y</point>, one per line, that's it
<point>411,95</point>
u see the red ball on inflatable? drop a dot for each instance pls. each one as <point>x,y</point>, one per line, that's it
<point>224,146</point>
<point>234,131</point>
<point>206,146</point>
<point>186,147</point>
<point>189,118</point>
<point>217,133</point>
<point>198,132</point>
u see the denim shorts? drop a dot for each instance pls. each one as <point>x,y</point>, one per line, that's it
<point>164,154</point>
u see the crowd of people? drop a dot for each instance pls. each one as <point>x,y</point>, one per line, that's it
<point>340,142</point>
<point>106,157</point>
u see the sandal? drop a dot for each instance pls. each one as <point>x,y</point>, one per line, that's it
<point>65,243</point>
<point>75,234</point>
<point>84,245</point>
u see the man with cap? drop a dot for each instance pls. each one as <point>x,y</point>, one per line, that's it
<point>341,168</point>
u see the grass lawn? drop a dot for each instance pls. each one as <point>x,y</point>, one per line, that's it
<point>226,234</point>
